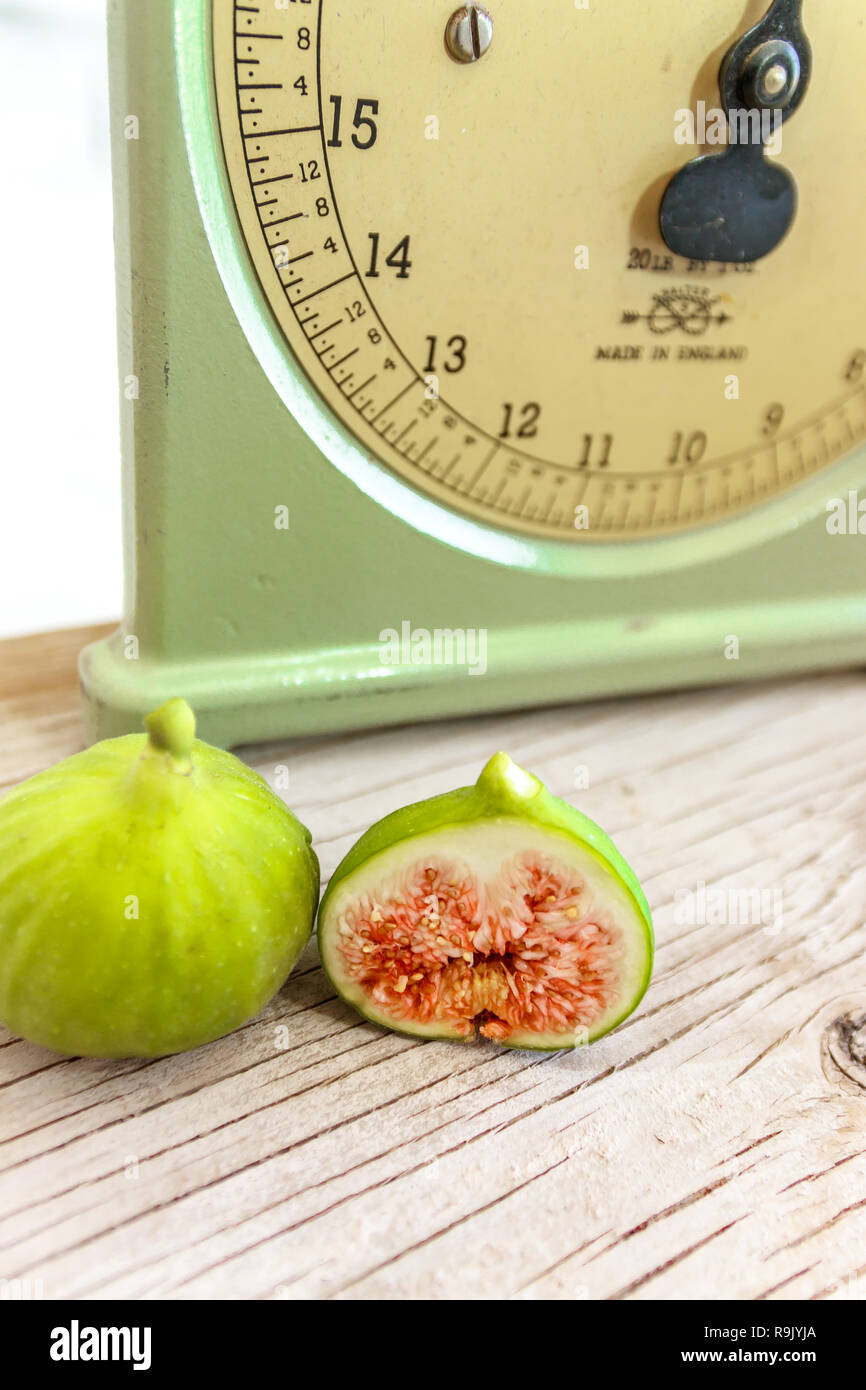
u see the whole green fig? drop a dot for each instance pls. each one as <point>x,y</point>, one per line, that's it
<point>154,895</point>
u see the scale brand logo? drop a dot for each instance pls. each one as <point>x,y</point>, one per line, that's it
<point>77,1343</point>
<point>711,126</point>
<point>444,646</point>
<point>846,516</point>
<point>687,309</point>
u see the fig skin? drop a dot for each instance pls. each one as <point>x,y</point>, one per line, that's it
<point>503,792</point>
<point>221,875</point>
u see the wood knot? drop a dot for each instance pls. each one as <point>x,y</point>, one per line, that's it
<point>844,1049</point>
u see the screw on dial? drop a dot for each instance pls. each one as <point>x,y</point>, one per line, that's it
<point>469,33</point>
<point>736,206</point>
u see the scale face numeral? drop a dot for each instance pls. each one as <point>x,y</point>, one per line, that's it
<point>361,121</point>
<point>596,453</point>
<point>501,342</point>
<point>688,448</point>
<point>453,363</point>
<point>527,425</point>
<point>398,260</point>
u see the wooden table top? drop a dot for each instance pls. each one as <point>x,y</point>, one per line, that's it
<point>714,1146</point>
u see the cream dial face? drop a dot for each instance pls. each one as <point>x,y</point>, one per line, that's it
<point>465,258</point>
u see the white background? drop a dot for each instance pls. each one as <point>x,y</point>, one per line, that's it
<point>60,561</point>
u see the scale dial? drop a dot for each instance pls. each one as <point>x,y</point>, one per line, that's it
<point>465,259</point>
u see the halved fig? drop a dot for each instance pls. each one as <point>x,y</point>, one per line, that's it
<point>497,908</point>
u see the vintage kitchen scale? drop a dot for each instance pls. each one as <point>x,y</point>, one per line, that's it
<point>432,324</point>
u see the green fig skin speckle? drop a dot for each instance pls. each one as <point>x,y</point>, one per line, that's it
<point>154,895</point>
<point>504,794</point>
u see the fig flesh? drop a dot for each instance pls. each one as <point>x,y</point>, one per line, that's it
<point>496,909</point>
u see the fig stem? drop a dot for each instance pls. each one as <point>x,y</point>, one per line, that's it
<point>504,779</point>
<point>171,729</point>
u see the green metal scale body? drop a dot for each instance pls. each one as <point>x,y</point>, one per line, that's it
<point>421,415</point>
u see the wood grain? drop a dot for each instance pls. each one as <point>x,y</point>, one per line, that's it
<point>712,1147</point>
